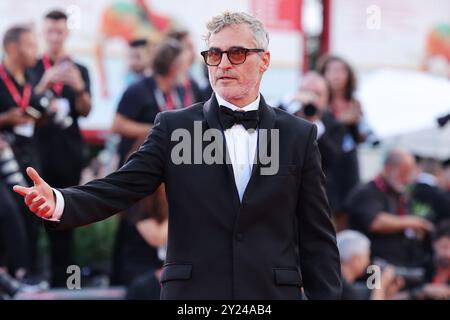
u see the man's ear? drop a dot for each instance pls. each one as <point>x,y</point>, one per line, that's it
<point>265,57</point>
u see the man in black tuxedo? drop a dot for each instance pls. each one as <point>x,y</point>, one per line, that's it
<point>237,230</point>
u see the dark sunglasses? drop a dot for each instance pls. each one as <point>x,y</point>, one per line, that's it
<point>236,55</point>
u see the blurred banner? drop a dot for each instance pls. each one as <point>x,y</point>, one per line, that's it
<point>401,51</point>
<point>101,29</point>
<point>279,14</point>
<point>383,33</point>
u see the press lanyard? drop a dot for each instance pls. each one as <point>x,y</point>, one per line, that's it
<point>21,101</point>
<point>188,100</point>
<point>383,187</point>
<point>170,102</point>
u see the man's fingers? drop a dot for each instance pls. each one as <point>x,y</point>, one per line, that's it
<point>30,197</point>
<point>44,212</point>
<point>34,176</point>
<point>23,191</point>
<point>36,204</point>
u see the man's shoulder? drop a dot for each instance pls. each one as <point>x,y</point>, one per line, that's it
<point>140,84</point>
<point>367,190</point>
<point>141,88</point>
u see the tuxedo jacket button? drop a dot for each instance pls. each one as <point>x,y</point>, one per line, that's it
<point>239,236</point>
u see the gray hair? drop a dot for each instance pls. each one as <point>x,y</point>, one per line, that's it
<point>395,157</point>
<point>351,243</point>
<point>316,76</point>
<point>228,18</point>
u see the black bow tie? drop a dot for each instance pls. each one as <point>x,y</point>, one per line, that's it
<point>228,118</point>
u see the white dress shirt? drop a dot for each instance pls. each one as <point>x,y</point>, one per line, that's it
<point>59,208</point>
<point>241,146</point>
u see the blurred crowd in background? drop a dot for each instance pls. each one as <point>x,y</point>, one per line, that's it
<point>399,220</point>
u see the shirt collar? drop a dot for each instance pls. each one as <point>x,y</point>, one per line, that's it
<point>250,107</point>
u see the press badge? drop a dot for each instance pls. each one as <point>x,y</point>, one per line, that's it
<point>62,109</point>
<point>25,130</point>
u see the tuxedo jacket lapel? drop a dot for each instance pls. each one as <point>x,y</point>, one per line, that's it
<point>267,122</point>
<point>211,114</point>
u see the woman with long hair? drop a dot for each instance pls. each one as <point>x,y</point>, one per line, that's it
<point>347,110</point>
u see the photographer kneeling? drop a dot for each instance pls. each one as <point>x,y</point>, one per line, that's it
<point>354,250</point>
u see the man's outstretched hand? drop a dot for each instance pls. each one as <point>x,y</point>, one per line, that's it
<point>39,198</point>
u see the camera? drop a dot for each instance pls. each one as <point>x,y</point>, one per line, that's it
<point>310,110</point>
<point>9,167</point>
<point>60,115</point>
<point>411,275</point>
<point>8,285</point>
<point>442,121</point>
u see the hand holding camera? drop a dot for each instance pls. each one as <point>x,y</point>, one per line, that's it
<point>51,76</point>
<point>64,72</point>
<point>391,282</point>
<point>71,76</point>
<point>411,275</point>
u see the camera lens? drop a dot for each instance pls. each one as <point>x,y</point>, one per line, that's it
<point>442,121</point>
<point>309,110</point>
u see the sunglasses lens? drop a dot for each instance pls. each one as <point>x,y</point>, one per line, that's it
<point>237,55</point>
<point>213,57</point>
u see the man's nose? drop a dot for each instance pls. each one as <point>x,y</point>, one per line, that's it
<point>224,62</point>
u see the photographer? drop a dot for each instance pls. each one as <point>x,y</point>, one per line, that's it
<point>65,86</point>
<point>354,250</point>
<point>428,194</point>
<point>311,103</point>
<point>19,113</point>
<point>134,256</point>
<point>441,255</point>
<point>347,110</point>
<point>191,90</point>
<point>437,284</point>
<point>380,209</point>
<point>12,231</point>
